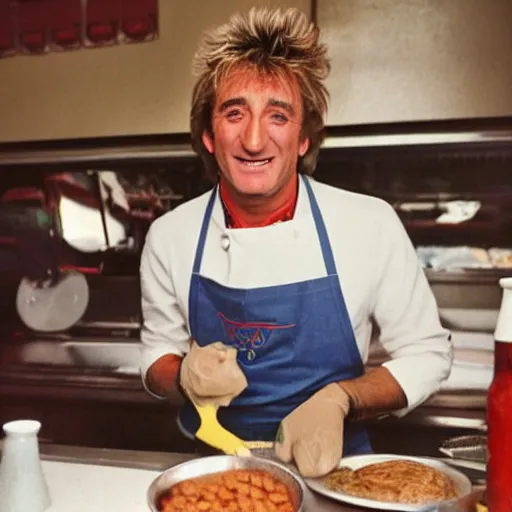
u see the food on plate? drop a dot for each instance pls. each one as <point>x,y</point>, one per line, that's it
<point>398,481</point>
<point>237,490</point>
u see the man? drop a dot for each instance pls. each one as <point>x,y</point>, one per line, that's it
<point>263,292</point>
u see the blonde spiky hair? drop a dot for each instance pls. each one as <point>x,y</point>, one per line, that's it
<point>274,42</point>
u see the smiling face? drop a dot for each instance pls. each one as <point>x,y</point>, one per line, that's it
<point>257,121</point>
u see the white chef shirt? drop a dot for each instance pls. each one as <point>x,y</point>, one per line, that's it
<point>379,272</point>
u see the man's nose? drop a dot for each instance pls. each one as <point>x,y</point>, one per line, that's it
<point>255,136</point>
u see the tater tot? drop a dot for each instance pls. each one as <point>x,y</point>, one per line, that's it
<point>208,496</point>
<point>243,476</point>
<point>225,494</point>
<point>271,507</point>
<point>256,480</point>
<point>244,503</point>
<point>243,489</point>
<point>259,506</point>
<point>179,501</point>
<point>277,498</point>
<point>257,493</point>
<point>268,483</point>
<point>188,487</point>
<point>217,506</point>
<point>230,481</point>
<point>212,487</point>
<point>281,488</point>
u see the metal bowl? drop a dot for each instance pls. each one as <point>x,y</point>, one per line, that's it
<point>219,463</point>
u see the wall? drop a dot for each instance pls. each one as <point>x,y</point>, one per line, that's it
<point>124,90</point>
<point>408,60</point>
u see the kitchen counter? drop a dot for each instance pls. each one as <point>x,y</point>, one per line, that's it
<point>93,480</point>
<point>114,480</point>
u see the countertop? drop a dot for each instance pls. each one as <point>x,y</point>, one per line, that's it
<point>121,478</point>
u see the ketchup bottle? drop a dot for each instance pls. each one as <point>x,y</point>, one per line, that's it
<point>499,410</point>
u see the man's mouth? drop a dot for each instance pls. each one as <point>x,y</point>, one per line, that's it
<point>253,162</point>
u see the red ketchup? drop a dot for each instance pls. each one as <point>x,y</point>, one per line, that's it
<point>499,411</point>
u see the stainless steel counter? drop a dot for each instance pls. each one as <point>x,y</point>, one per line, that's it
<point>159,461</point>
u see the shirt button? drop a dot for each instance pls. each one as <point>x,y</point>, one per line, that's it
<point>225,241</point>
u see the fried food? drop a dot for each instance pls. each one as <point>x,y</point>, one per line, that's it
<point>397,481</point>
<point>236,490</point>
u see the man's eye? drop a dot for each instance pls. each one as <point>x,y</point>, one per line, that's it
<point>234,114</point>
<point>280,118</point>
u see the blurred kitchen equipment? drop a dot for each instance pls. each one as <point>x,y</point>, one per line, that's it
<point>53,306</point>
<point>470,447</point>
<point>219,463</point>
<point>499,411</point>
<point>22,483</point>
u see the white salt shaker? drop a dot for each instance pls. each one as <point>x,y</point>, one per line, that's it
<point>22,483</point>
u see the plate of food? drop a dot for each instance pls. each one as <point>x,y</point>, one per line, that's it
<point>392,482</point>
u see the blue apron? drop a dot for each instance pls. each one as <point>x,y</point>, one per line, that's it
<point>292,340</point>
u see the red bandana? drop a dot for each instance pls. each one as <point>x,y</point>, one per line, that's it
<point>236,217</point>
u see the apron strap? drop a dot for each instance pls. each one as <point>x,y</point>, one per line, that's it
<point>204,231</point>
<point>194,289</point>
<point>327,254</point>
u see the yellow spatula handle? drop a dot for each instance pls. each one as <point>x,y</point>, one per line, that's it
<point>213,433</point>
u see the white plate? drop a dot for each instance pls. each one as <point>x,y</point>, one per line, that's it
<point>460,480</point>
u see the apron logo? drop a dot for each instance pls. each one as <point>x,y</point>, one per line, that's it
<point>247,338</point>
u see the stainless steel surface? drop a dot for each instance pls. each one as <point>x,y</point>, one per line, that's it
<point>479,467</point>
<point>220,463</point>
<point>415,139</point>
<point>78,156</point>
<point>437,419</point>
<point>472,448</point>
<point>459,399</point>
<point>109,325</point>
<point>84,353</point>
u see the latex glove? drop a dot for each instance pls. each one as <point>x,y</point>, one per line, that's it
<point>312,434</point>
<point>211,375</point>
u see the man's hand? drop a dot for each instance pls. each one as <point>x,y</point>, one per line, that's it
<point>211,375</point>
<point>312,434</point>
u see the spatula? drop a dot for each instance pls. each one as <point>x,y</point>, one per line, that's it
<point>214,434</point>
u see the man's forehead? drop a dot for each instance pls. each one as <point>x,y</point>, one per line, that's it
<point>247,82</point>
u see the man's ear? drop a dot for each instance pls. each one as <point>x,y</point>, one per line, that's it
<point>303,146</point>
<point>208,142</point>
